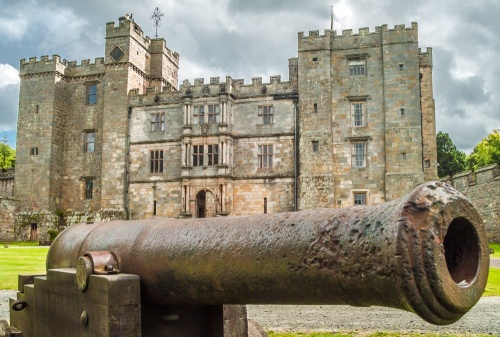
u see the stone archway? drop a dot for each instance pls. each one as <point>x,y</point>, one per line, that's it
<point>206,204</point>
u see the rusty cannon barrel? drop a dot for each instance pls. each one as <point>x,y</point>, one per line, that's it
<point>425,253</point>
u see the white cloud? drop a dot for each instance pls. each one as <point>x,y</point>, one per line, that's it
<point>9,93</point>
<point>8,75</point>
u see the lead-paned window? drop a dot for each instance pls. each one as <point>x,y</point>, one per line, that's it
<point>197,155</point>
<point>359,198</point>
<point>358,113</point>
<point>89,188</point>
<point>359,154</point>
<point>265,156</point>
<point>213,113</point>
<point>213,154</point>
<point>357,67</point>
<point>92,93</point>
<point>265,114</point>
<point>198,114</point>
<point>156,161</point>
<point>157,122</point>
<point>89,142</point>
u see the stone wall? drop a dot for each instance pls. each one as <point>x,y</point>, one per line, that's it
<point>7,218</point>
<point>7,182</point>
<point>483,190</point>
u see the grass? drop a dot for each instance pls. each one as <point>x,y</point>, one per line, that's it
<point>496,249</point>
<point>20,244</point>
<point>361,334</point>
<point>493,285</point>
<point>20,259</point>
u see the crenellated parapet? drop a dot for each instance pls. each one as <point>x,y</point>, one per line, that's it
<point>44,66</point>
<point>425,57</point>
<point>364,38</point>
<point>214,87</point>
<point>314,41</point>
<point>482,188</point>
<point>237,87</point>
<point>126,26</point>
<point>62,68</point>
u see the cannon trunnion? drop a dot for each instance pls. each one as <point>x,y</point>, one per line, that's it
<point>425,253</point>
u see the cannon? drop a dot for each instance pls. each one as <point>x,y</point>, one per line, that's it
<point>425,253</point>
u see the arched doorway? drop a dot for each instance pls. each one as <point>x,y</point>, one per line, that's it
<point>206,204</point>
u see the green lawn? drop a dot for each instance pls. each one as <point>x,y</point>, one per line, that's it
<point>20,259</point>
<point>496,249</point>
<point>361,334</point>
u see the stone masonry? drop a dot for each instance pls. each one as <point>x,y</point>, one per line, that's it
<point>119,138</point>
<point>482,188</point>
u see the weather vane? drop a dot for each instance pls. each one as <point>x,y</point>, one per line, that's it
<point>156,17</point>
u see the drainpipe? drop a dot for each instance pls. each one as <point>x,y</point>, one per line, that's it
<point>296,154</point>
<point>127,166</point>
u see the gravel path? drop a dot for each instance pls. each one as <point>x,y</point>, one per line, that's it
<point>484,318</point>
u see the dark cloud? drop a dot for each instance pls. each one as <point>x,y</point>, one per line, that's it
<point>319,7</point>
<point>246,39</point>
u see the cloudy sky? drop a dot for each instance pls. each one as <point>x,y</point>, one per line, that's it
<point>245,39</point>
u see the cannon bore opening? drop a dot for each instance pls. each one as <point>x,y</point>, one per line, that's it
<point>462,250</point>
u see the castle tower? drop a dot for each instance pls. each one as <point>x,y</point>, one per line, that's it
<point>316,181</point>
<point>429,144</point>
<point>74,120</point>
<point>366,119</point>
<point>40,133</point>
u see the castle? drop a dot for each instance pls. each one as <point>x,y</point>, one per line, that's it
<point>119,138</point>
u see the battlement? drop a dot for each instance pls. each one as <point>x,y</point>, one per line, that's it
<point>347,39</point>
<point>44,65</point>
<point>126,27</point>
<point>64,67</point>
<point>483,175</point>
<point>43,60</point>
<point>159,46</point>
<point>215,87</point>
<point>425,57</point>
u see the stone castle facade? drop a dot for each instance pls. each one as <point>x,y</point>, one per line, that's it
<point>119,138</point>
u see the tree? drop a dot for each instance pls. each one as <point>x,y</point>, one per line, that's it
<point>450,160</point>
<point>7,155</point>
<point>486,152</point>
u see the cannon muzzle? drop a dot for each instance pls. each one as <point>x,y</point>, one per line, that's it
<point>426,253</point>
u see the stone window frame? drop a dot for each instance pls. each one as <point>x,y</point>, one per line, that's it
<point>156,161</point>
<point>213,113</point>
<point>89,144</point>
<point>198,154</point>
<point>199,114</point>
<point>358,120</point>
<point>357,64</point>
<point>315,146</point>
<point>157,122</point>
<point>34,151</point>
<point>91,93</point>
<point>265,114</point>
<point>88,187</point>
<point>359,160</point>
<point>265,156</point>
<point>213,154</point>
<point>359,197</point>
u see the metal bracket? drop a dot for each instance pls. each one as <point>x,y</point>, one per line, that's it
<point>98,262</point>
